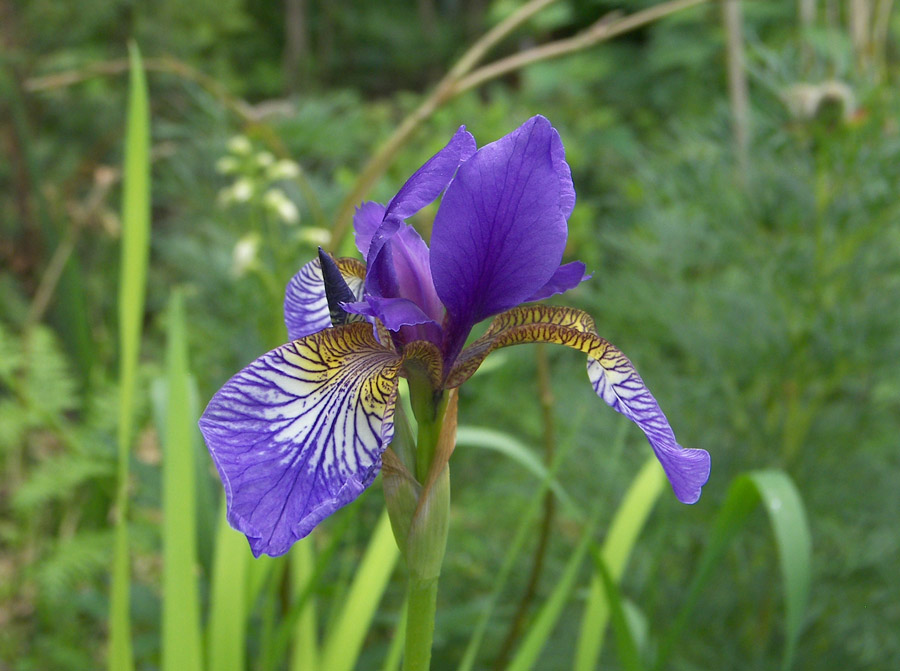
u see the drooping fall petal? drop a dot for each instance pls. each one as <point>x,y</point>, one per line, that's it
<point>299,433</point>
<point>612,376</point>
<point>500,232</point>
<point>305,302</point>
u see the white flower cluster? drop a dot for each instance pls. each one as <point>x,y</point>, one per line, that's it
<point>256,176</point>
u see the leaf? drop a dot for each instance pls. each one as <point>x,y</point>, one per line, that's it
<point>181,641</point>
<point>226,637</point>
<point>623,533</point>
<point>344,641</point>
<point>132,286</point>
<point>787,515</point>
<point>518,452</point>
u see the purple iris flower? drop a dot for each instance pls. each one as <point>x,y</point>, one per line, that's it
<point>300,432</point>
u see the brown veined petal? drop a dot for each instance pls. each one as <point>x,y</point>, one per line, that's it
<point>612,376</point>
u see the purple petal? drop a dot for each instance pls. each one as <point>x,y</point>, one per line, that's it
<point>366,221</point>
<point>566,277</point>
<point>500,232</point>
<point>393,312</point>
<point>428,181</point>
<point>617,382</point>
<point>299,433</point>
<point>305,303</point>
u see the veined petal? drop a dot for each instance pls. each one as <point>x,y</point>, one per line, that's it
<point>500,232</point>
<point>433,177</point>
<point>566,277</point>
<point>305,302</point>
<point>612,375</point>
<point>299,433</point>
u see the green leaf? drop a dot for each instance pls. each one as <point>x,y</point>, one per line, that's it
<point>132,286</point>
<point>629,655</point>
<point>305,651</point>
<point>181,641</point>
<point>547,617</point>
<point>507,445</point>
<point>623,533</point>
<point>344,641</point>
<point>227,633</point>
<point>787,515</point>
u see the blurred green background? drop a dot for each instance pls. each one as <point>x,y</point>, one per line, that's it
<point>745,256</point>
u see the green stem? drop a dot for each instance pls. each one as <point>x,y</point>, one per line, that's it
<point>421,608</point>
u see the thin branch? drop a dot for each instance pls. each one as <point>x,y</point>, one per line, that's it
<point>606,28</point>
<point>443,92</point>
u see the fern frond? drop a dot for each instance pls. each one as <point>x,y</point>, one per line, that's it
<point>56,478</point>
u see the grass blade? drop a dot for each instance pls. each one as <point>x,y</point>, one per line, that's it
<point>787,515</point>
<point>344,642</point>
<point>629,655</point>
<point>623,533</point>
<point>228,600</point>
<point>519,453</point>
<point>305,652</point>
<point>181,642</point>
<point>544,623</point>
<point>132,286</point>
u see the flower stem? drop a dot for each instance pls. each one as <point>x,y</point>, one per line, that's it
<point>421,608</point>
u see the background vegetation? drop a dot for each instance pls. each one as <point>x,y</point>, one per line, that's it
<point>746,256</point>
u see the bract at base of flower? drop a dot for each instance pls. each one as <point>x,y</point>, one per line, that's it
<point>299,433</point>
<point>612,376</point>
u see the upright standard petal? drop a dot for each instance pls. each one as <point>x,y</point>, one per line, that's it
<point>432,178</point>
<point>305,301</point>
<point>566,277</point>
<point>299,433</point>
<point>500,232</point>
<point>612,376</point>
<point>366,221</point>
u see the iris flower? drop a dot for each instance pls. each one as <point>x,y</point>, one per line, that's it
<point>300,432</point>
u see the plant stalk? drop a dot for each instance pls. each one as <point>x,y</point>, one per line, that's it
<point>422,606</point>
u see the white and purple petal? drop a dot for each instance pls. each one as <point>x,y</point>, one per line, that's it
<point>305,302</point>
<point>299,433</point>
<point>616,381</point>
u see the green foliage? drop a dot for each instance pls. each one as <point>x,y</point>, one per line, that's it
<point>761,311</point>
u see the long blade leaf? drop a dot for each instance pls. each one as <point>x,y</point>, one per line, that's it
<point>132,286</point>
<point>344,642</point>
<point>228,602</point>
<point>181,641</point>
<point>787,515</point>
<point>623,533</point>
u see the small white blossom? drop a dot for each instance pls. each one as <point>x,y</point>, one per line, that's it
<point>242,190</point>
<point>226,165</point>
<point>244,255</point>
<point>316,236</point>
<point>240,145</point>
<point>282,206</point>
<point>264,159</point>
<point>283,169</point>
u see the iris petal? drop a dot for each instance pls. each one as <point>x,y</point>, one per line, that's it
<point>612,376</point>
<point>428,181</point>
<point>305,302</point>
<point>566,277</point>
<point>500,232</point>
<point>299,433</point>
<point>366,220</point>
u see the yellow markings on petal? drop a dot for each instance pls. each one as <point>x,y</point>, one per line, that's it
<point>534,323</point>
<point>427,356</point>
